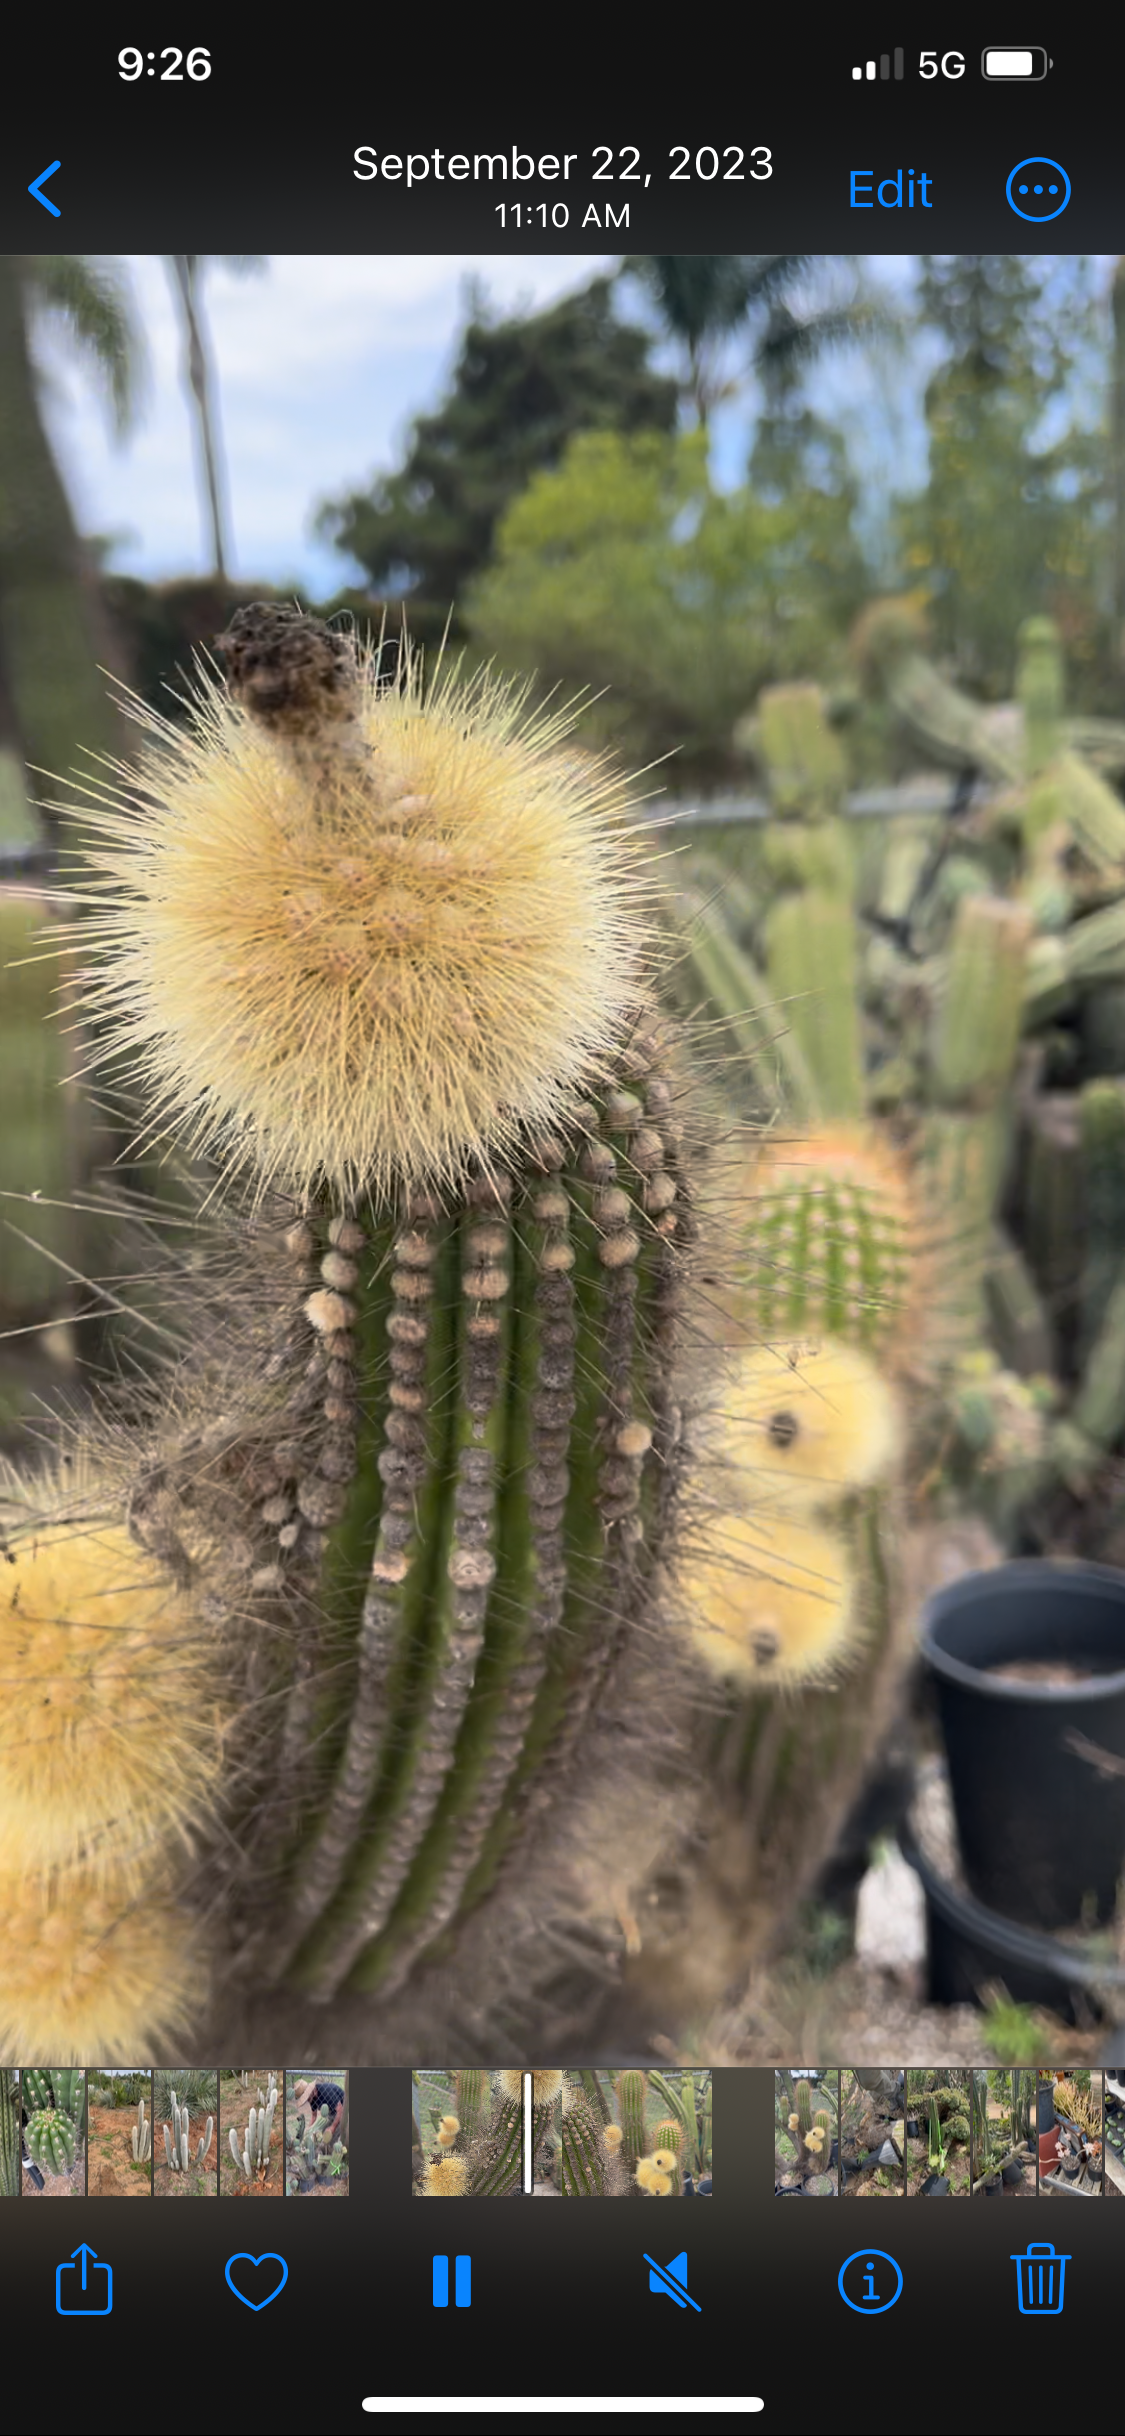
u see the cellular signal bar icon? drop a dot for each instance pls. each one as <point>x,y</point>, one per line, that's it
<point>869,70</point>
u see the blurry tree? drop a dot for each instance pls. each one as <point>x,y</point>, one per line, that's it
<point>705,300</point>
<point>52,697</point>
<point>187,281</point>
<point>1011,519</point>
<point>626,569</point>
<point>521,389</point>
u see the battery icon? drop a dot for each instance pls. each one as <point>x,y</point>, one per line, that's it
<point>1015,67</point>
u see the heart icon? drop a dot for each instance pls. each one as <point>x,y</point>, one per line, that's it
<point>243,2258</point>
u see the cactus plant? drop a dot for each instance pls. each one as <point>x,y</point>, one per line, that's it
<point>253,2157</point>
<point>177,2139</point>
<point>9,2135</point>
<point>316,2155</point>
<point>413,1491</point>
<point>142,2135</point>
<point>55,2102</point>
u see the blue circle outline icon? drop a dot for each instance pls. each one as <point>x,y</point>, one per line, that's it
<point>858,2305</point>
<point>1038,216</point>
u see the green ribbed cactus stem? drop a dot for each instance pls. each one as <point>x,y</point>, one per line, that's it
<point>976,1025</point>
<point>704,2145</point>
<point>37,2088</point>
<point>496,2168</point>
<point>581,2164</point>
<point>596,2096</point>
<point>811,968</point>
<point>831,1244</point>
<point>693,2156</point>
<point>1068,794</point>
<point>1098,1409</point>
<point>51,2141</point>
<point>471,2105</point>
<point>792,1766</point>
<point>817,857</point>
<point>631,2093</point>
<point>802,755</point>
<point>803,2095</point>
<point>9,2134</point>
<point>1052,1198</point>
<point>714,971</point>
<point>1102,1119</point>
<point>822,2122</point>
<point>1041,692</point>
<point>419,1478</point>
<point>67,2086</point>
<point>669,2133</point>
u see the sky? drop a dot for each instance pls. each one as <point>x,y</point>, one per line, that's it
<point>322,361</point>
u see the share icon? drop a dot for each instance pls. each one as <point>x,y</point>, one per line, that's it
<point>671,2280</point>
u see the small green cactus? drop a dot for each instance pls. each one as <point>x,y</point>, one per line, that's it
<point>632,2091</point>
<point>51,2141</point>
<point>316,2157</point>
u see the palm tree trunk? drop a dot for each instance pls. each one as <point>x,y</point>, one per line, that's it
<point>49,619</point>
<point>186,269</point>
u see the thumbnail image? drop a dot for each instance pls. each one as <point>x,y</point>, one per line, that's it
<point>186,2146</point>
<point>120,2139</point>
<point>317,2133</point>
<point>53,2110</point>
<point>251,2130</point>
<point>468,2134</point>
<point>1114,2154</point>
<point>1003,2146</point>
<point>872,2132</point>
<point>621,2135</point>
<point>938,2105</point>
<point>805,2134</point>
<point>9,2133</point>
<point>1069,2122</point>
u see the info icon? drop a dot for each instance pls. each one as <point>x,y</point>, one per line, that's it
<point>1038,189</point>
<point>870,2281</point>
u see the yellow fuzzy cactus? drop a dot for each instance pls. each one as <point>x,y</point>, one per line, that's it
<point>358,931</point>
<point>110,1731</point>
<point>771,1602</point>
<point>802,1425</point>
<point>89,1967</point>
<point>446,2178</point>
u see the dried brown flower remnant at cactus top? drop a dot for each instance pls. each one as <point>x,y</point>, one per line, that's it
<point>360,934</point>
<point>287,670</point>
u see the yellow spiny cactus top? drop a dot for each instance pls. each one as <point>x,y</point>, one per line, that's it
<point>357,932</point>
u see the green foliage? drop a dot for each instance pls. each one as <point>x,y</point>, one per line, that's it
<point>1009,520</point>
<point>1012,2030</point>
<point>521,388</point>
<point>9,2134</point>
<point>626,568</point>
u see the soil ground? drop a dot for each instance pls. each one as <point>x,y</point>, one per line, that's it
<point>200,2181</point>
<point>235,2103</point>
<point>59,2186</point>
<point>113,2172</point>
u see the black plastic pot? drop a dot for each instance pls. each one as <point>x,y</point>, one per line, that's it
<point>1012,2173</point>
<point>971,1948</point>
<point>935,2186</point>
<point>1041,1826</point>
<point>994,2190</point>
<point>1046,2118</point>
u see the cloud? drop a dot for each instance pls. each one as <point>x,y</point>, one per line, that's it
<point>321,362</point>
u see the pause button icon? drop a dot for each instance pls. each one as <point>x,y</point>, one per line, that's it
<point>462,2282</point>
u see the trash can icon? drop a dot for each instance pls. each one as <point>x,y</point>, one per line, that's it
<point>1040,2273</point>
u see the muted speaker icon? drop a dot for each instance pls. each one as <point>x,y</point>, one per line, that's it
<point>671,2280</point>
